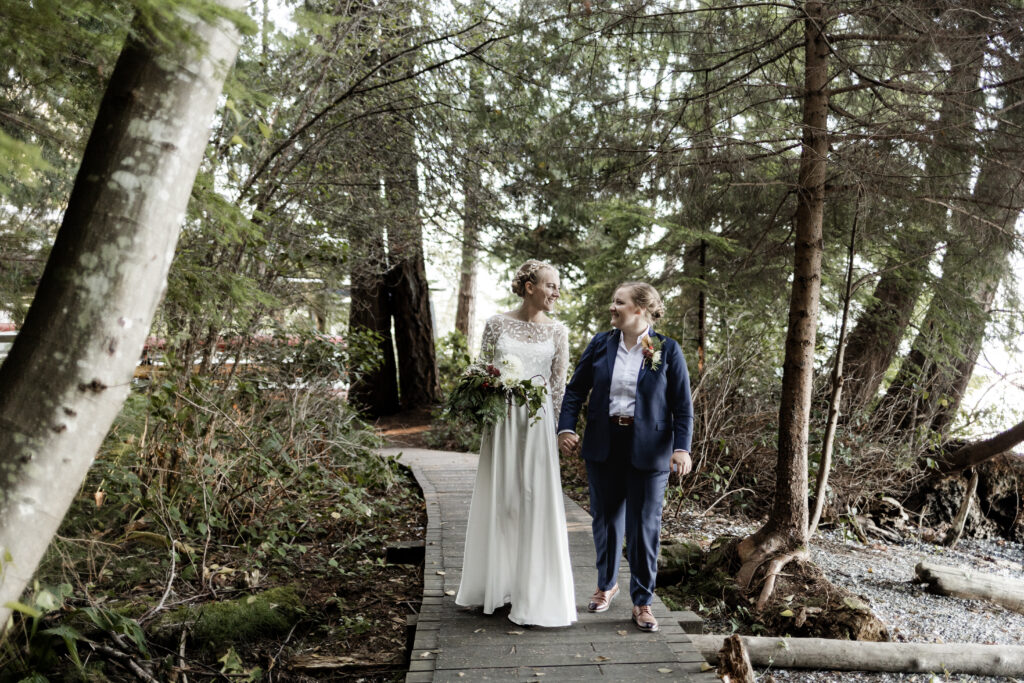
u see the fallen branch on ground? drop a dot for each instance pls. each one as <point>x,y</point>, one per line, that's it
<point>854,655</point>
<point>962,583</point>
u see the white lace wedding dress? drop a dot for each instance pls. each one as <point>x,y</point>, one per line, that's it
<point>517,544</point>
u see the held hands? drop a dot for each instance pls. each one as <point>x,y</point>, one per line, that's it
<point>568,442</point>
<point>680,463</point>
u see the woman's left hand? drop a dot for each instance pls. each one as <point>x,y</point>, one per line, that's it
<point>680,463</point>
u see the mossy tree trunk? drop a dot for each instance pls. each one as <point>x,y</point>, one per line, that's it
<point>875,340</point>
<point>933,377</point>
<point>71,365</point>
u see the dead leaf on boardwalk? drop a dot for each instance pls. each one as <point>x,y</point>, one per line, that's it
<point>622,633</point>
<point>439,572</point>
<point>479,630</point>
<point>449,592</point>
<point>601,658</point>
<point>663,670</point>
<point>704,666</point>
<point>426,654</point>
<point>515,633</point>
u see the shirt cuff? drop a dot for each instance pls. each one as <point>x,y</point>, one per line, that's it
<point>566,431</point>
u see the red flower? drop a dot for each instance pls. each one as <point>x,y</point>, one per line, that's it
<point>493,371</point>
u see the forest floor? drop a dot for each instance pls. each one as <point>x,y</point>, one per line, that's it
<point>880,573</point>
<point>321,604</point>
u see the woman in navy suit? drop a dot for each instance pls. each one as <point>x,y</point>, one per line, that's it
<point>639,426</point>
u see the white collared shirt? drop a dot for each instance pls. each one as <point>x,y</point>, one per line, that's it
<point>622,393</point>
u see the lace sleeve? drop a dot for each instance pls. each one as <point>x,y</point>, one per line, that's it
<point>489,341</point>
<point>559,368</point>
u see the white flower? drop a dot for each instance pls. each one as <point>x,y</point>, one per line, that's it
<point>656,359</point>
<point>512,368</point>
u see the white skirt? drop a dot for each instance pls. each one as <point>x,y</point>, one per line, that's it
<point>517,543</point>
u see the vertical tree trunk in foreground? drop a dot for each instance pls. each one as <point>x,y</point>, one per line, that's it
<point>69,370</point>
<point>784,535</point>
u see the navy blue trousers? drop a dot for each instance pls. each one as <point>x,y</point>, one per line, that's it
<point>625,501</point>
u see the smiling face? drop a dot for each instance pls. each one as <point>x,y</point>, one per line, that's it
<point>626,315</point>
<point>544,293</point>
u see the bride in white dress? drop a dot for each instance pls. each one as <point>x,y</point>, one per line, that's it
<point>517,544</point>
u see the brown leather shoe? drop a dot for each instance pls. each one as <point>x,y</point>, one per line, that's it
<point>644,618</point>
<point>600,600</point>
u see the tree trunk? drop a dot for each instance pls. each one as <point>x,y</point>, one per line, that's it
<point>407,279</point>
<point>876,338</point>
<point>471,189</point>
<point>976,453</point>
<point>376,392</point>
<point>932,379</point>
<point>71,365</point>
<point>785,532</point>
<point>854,655</point>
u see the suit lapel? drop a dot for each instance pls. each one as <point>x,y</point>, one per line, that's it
<point>644,364</point>
<point>612,351</point>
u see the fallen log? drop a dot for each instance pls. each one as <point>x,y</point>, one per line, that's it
<point>962,583</point>
<point>854,655</point>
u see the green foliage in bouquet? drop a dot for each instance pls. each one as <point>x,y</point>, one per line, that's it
<point>484,396</point>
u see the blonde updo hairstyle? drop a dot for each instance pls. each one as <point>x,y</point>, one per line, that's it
<point>646,297</point>
<point>528,272</point>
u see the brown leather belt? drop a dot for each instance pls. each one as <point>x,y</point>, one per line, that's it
<point>622,420</point>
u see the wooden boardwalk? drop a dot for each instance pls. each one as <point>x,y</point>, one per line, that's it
<point>458,644</point>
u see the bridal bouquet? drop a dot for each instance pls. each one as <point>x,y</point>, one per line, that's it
<point>485,393</point>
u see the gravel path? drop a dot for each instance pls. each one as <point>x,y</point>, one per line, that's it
<point>882,574</point>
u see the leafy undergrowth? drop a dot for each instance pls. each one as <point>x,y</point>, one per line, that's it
<point>229,532</point>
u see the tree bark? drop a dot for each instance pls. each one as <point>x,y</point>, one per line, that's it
<point>374,392</point>
<point>71,365</point>
<point>471,189</point>
<point>855,655</point>
<point>407,281</point>
<point>407,276</point>
<point>976,453</point>
<point>786,528</point>
<point>734,662</point>
<point>961,583</point>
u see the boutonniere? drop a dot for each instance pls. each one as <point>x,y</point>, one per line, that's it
<point>652,352</point>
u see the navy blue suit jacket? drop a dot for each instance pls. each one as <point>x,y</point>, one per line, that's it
<point>663,414</point>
